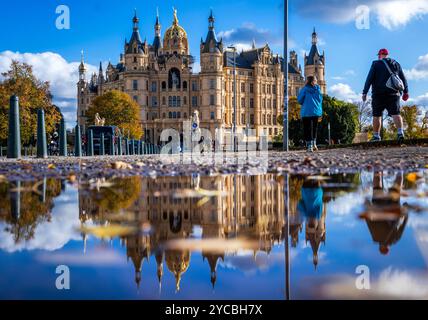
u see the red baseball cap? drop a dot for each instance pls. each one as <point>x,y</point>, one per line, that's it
<point>384,52</point>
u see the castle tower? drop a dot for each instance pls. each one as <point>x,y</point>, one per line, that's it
<point>81,93</point>
<point>157,42</point>
<point>211,53</point>
<point>315,63</point>
<point>136,51</point>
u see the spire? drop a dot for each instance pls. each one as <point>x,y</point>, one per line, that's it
<point>254,44</point>
<point>82,68</point>
<point>211,20</point>
<point>135,20</point>
<point>175,22</point>
<point>314,37</point>
<point>157,26</point>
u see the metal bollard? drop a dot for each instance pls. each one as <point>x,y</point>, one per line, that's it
<point>111,141</point>
<point>42,147</point>
<point>119,145</point>
<point>102,146</point>
<point>90,151</point>
<point>77,142</point>
<point>14,133</point>
<point>62,139</point>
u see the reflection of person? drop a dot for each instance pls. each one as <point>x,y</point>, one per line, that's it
<point>310,97</point>
<point>311,206</point>
<point>385,217</point>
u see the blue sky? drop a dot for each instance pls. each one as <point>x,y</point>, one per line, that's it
<point>100,28</point>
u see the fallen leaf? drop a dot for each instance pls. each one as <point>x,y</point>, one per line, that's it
<point>51,166</point>
<point>110,231</point>
<point>120,165</point>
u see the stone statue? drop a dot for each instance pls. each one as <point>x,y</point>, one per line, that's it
<point>99,121</point>
<point>174,80</point>
<point>195,120</point>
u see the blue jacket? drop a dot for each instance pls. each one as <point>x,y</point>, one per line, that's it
<point>311,204</point>
<point>311,100</point>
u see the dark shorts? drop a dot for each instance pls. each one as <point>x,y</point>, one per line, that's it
<point>382,102</point>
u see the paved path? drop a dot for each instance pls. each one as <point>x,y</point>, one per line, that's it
<point>327,161</point>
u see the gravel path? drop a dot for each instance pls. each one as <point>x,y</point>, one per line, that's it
<point>299,162</point>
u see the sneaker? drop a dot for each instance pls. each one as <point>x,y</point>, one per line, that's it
<point>314,145</point>
<point>401,137</point>
<point>375,139</point>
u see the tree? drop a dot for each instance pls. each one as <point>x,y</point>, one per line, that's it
<point>119,110</point>
<point>342,117</point>
<point>33,94</point>
<point>413,127</point>
<point>364,116</point>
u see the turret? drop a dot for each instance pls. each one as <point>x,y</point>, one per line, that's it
<point>82,69</point>
<point>100,74</point>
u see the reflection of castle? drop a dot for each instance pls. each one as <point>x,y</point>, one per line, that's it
<point>258,215</point>
<point>160,78</point>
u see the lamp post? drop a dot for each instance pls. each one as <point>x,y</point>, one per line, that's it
<point>233,48</point>
<point>285,63</point>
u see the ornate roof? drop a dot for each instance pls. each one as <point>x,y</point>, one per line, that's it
<point>175,38</point>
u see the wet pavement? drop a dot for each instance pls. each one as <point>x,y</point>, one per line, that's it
<point>299,162</point>
<point>220,236</point>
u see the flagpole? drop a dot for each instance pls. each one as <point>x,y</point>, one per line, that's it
<point>285,67</point>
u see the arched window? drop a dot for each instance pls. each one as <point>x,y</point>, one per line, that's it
<point>184,85</point>
<point>169,101</point>
<point>179,115</point>
<point>163,85</point>
<point>170,115</point>
<point>174,79</point>
<point>174,115</point>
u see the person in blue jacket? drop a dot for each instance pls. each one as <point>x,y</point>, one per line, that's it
<point>310,97</point>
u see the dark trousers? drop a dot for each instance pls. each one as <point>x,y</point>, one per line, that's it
<point>310,128</point>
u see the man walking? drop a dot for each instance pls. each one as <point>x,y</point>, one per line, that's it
<point>385,95</point>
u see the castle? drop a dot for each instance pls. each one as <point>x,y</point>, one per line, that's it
<point>160,78</point>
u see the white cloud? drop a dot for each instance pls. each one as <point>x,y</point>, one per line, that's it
<point>343,92</point>
<point>395,14</point>
<point>49,236</point>
<point>391,14</point>
<point>243,37</point>
<point>421,100</point>
<point>61,74</point>
<point>420,70</point>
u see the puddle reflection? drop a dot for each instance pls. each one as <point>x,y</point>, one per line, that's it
<point>182,233</point>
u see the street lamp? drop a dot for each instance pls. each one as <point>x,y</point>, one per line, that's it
<point>285,63</point>
<point>233,48</point>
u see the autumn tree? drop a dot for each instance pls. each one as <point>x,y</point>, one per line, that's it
<point>118,109</point>
<point>33,94</point>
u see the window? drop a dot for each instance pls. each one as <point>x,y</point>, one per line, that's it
<point>242,102</point>
<point>212,116</point>
<point>178,101</point>
<point>154,86</point>
<point>264,89</point>
<point>184,85</point>
<point>251,103</point>
<point>194,101</point>
<point>243,87</point>
<point>251,88</point>
<point>212,84</point>
<point>163,85</point>
<point>163,101</point>
<point>242,118</point>
<point>274,103</point>
<point>136,98</point>
<point>252,119</point>
<point>170,115</point>
<point>135,59</point>
<point>194,86</point>
<point>212,100</point>
<point>274,89</point>
<point>154,102</point>
<point>179,115</point>
<point>135,84</point>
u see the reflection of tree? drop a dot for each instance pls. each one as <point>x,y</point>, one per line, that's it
<point>120,195</point>
<point>35,201</point>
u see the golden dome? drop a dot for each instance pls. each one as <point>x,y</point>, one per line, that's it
<point>175,39</point>
<point>178,263</point>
